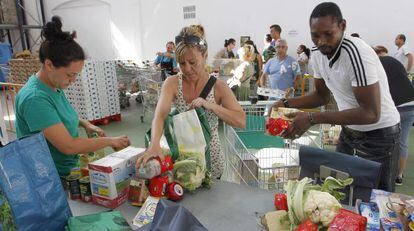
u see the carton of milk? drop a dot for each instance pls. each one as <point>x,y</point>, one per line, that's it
<point>110,176</point>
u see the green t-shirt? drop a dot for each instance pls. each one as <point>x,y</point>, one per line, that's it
<point>38,107</point>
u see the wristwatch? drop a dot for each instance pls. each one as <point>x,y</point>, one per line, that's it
<point>285,103</point>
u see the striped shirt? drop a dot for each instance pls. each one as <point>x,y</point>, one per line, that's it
<point>355,64</point>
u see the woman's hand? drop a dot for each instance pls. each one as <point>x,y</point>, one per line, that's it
<point>120,142</point>
<point>151,152</point>
<point>200,102</point>
<point>90,129</point>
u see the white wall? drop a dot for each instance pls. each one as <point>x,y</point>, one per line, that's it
<point>378,22</point>
<point>139,28</point>
<point>106,29</point>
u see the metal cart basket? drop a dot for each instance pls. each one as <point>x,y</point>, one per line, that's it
<point>150,82</point>
<point>260,160</point>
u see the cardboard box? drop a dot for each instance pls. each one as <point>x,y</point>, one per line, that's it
<point>110,176</point>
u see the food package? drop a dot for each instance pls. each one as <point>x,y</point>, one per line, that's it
<point>110,176</point>
<point>370,210</point>
<point>276,221</point>
<point>347,220</point>
<point>403,205</point>
<point>278,121</point>
<point>389,219</point>
<point>138,191</point>
<point>146,214</point>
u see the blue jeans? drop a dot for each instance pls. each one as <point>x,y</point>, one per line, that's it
<point>407,120</point>
<point>381,145</point>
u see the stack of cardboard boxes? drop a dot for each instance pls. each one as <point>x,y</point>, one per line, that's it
<point>22,69</point>
<point>94,95</point>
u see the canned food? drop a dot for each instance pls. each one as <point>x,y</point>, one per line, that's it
<point>75,171</point>
<point>85,172</point>
<point>85,189</point>
<point>74,190</point>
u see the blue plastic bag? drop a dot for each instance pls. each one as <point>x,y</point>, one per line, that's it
<point>31,184</point>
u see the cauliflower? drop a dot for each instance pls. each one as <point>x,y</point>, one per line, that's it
<point>321,207</point>
<point>190,171</point>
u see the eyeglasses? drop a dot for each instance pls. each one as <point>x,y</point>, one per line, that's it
<point>190,39</point>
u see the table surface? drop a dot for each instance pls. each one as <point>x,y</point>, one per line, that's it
<point>226,206</point>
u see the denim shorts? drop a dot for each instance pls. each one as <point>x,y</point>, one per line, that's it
<point>407,120</point>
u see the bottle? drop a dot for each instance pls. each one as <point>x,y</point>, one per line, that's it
<point>155,167</point>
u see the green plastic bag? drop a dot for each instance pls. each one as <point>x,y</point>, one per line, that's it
<point>100,221</point>
<point>171,140</point>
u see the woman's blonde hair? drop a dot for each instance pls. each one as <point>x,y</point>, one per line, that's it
<point>246,52</point>
<point>193,31</point>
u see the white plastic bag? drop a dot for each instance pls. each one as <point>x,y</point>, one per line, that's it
<point>190,167</point>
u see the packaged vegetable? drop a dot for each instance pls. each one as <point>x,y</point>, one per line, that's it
<point>314,202</point>
<point>190,168</point>
<point>276,221</point>
<point>347,220</point>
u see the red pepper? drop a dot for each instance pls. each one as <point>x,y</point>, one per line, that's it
<point>307,225</point>
<point>276,126</point>
<point>281,201</point>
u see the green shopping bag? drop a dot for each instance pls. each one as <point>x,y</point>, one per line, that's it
<point>172,141</point>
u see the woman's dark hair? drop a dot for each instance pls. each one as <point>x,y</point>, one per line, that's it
<point>305,49</point>
<point>58,46</point>
<point>229,41</point>
<point>250,42</point>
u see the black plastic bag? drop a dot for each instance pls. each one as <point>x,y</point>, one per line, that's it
<point>171,216</point>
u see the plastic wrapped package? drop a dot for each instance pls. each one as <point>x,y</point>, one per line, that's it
<point>347,220</point>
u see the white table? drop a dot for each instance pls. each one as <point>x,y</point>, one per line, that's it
<point>226,206</point>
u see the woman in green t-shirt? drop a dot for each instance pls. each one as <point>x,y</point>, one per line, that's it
<point>41,104</point>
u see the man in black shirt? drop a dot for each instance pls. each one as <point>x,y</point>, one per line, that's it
<point>402,93</point>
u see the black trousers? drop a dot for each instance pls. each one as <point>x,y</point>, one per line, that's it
<point>381,145</point>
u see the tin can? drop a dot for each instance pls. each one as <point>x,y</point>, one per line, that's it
<point>85,189</point>
<point>84,172</point>
<point>175,191</point>
<point>75,171</point>
<point>74,190</point>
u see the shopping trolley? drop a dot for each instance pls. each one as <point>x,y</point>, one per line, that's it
<point>126,72</point>
<point>150,82</point>
<point>260,160</point>
<point>330,132</point>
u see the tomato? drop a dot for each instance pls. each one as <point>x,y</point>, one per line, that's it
<point>281,202</point>
<point>307,225</point>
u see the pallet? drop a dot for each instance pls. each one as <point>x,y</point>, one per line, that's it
<point>106,120</point>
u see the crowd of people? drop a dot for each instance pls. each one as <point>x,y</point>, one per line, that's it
<point>374,98</point>
<point>363,85</point>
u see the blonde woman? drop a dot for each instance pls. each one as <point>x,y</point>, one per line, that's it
<point>244,72</point>
<point>183,90</point>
